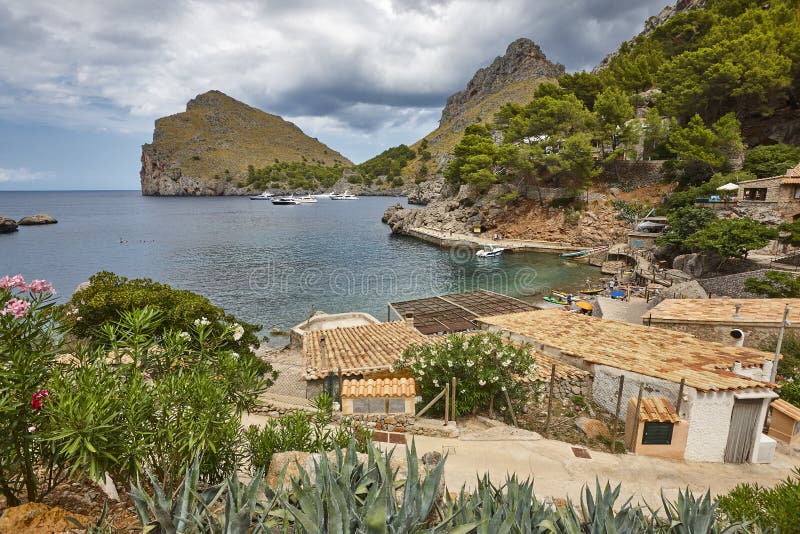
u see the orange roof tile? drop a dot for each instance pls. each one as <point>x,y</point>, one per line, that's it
<point>794,171</point>
<point>656,410</point>
<point>381,387</point>
<point>784,407</point>
<point>648,351</point>
<point>356,349</point>
<point>766,312</point>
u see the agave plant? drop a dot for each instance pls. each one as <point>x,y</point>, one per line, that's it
<point>354,496</point>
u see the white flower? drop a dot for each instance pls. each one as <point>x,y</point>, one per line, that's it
<point>506,363</point>
<point>202,322</point>
<point>184,336</point>
<point>421,372</point>
<point>494,379</point>
<point>482,382</point>
<point>465,345</point>
<point>502,388</point>
<point>449,363</point>
<point>470,363</point>
<point>238,331</point>
<point>436,383</point>
<point>235,354</point>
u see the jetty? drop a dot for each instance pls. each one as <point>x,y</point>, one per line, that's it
<point>452,239</point>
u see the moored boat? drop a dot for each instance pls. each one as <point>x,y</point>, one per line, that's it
<point>490,251</point>
<point>347,195</point>
<point>285,201</point>
<point>306,199</point>
<point>592,291</point>
<point>266,195</point>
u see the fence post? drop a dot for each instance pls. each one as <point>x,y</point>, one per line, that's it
<point>616,414</point>
<point>550,401</point>
<point>453,401</point>
<point>446,402</point>
<point>680,397</point>
<point>635,431</point>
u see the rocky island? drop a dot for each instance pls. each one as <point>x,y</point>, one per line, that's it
<point>207,149</point>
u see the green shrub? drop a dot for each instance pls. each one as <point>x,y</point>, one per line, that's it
<point>108,295</point>
<point>771,160</point>
<point>147,399</point>
<point>776,507</point>
<point>484,366</point>
<point>303,431</point>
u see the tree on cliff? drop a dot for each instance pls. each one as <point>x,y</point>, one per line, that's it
<point>684,222</point>
<point>705,150</point>
<point>771,160</point>
<point>732,238</point>
<point>478,160</point>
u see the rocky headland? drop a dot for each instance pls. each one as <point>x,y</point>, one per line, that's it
<point>207,149</point>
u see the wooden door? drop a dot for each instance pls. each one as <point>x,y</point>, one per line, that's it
<point>742,432</point>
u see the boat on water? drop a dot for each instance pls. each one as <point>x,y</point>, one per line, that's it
<point>286,201</point>
<point>347,195</point>
<point>580,253</point>
<point>266,195</point>
<point>490,251</point>
<point>306,199</point>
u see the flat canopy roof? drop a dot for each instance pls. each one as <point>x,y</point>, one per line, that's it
<point>766,312</point>
<point>649,351</point>
<point>457,312</point>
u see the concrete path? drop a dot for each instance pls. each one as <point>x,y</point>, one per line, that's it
<point>455,239</point>
<point>557,472</point>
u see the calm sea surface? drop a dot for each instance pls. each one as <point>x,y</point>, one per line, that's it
<point>270,265</point>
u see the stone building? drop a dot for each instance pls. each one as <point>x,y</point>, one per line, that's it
<point>382,395</point>
<point>778,194</point>
<point>722,390</point>
<point>758,320</point>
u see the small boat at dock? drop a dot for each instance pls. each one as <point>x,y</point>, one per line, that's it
<point>592,291</point>
<point>490,251</point>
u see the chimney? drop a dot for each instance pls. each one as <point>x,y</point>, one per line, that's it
<point>766,371</point>
<point>736,314</point>
<point>322,353</point>
<point>738,337</point>
<point>737,367</point>
<point>409,320</point>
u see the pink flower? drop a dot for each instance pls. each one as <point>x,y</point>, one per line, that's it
<point>31,429</point>
<point>36,398</point>
<point>41,286</point>
<point>16,307</point>
<point>11,283</point>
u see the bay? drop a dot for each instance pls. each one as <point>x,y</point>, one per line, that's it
<point>271,265</point>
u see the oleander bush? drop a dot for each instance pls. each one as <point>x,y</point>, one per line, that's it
<point>30,337</point>
<point>485,366</point>
<point>141,398</point>
<point>777,506</point>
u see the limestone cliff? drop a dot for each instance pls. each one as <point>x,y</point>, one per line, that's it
<point>523,60</point>
<point>206,149</point>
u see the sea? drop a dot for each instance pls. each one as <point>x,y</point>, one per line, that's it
<point>266,264</point>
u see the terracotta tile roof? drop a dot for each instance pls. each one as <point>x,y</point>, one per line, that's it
<point>381,387</point>
<point>794,171</point>
<point>656,410</point>
<point>791,180</point>
<point>357,349</point>
<point>762,311</point>
<point>648,351</point>
<point>784,407</point>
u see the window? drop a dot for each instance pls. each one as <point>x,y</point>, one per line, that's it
<point>797,192</point>
<point>755,193</point>
<point>657,434</point>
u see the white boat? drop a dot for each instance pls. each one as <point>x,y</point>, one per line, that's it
<point>306,199</point>
<point>285,201</point>
<point>266,195</point>
<point>489,251</point>
<point>347,195</point>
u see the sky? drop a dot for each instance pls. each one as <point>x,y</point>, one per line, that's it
<point>81,82</point>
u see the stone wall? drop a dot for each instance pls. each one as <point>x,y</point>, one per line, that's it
<point>635,173</point>
<point>754,335</point>
<point>379,422</point>
<point>731,285</point>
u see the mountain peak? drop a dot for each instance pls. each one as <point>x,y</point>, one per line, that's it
<point>523,60</point>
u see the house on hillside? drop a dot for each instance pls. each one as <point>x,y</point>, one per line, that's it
<point>778,194</point>
<point>748,322</point>
<point>720,393</point>
<point>354,352</point>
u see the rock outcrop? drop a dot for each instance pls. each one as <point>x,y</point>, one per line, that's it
<point>523,60</point>
<point>207,149</point>
<point>427,191</point>
<point>39,218</point>
<point>7,225</point>
<point>697,264</point>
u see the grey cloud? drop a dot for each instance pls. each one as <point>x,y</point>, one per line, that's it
<point>361,65</point>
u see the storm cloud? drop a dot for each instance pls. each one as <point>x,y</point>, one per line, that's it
<point>360,75</point>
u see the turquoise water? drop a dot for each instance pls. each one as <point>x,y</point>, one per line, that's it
<point>270,265</point>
